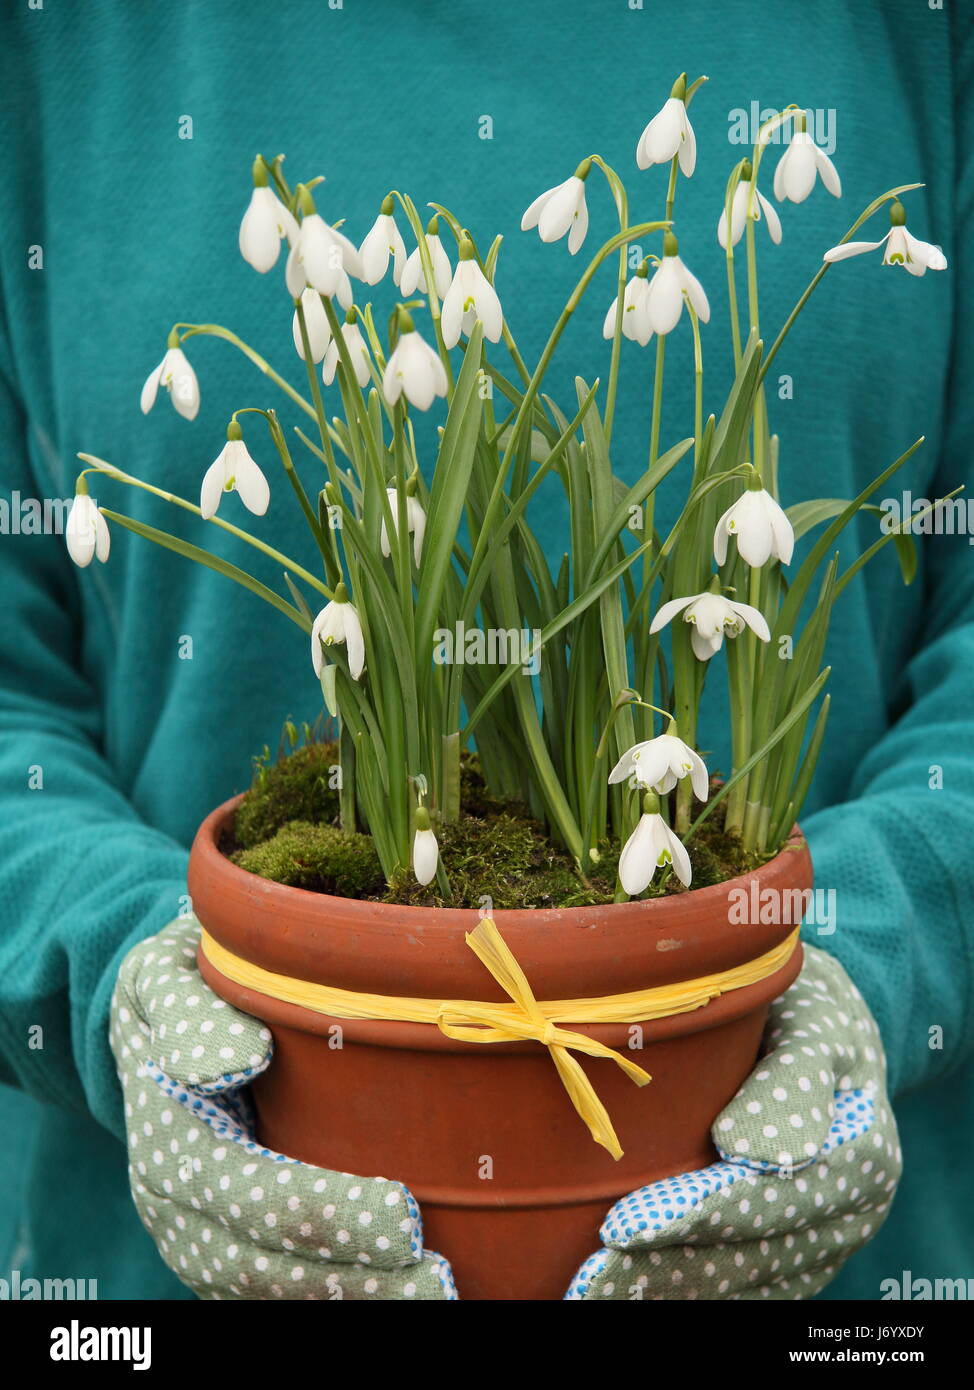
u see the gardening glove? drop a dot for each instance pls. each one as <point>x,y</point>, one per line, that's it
<point>809,1162</point>
<point>232,1219</point>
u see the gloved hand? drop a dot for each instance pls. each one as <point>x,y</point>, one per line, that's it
<point>810,1160</point>
<point>230,1218</point>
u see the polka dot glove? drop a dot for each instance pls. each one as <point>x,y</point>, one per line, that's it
<point>230,1218</point>
<point>809,1161</point>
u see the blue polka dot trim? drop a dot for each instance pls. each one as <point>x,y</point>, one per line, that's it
<point>220,1117</point>
<point>645,1216</point>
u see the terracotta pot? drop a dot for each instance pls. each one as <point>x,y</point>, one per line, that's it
<point>512,1187</point>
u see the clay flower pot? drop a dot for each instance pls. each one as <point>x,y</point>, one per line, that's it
<point>511,1185</point>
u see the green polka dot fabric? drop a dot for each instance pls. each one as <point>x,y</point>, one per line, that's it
<point>809,1160</point>
<point>809,1163</point>
<point>232,1219</point>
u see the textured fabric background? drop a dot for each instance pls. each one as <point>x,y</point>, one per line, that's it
<point>138,228</point>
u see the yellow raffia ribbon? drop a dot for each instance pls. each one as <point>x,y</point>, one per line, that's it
<point>525,1018</point>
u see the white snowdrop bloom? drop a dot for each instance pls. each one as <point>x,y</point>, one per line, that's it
<point>651,846</point>
<point>669,133</point>
<point>413,370</point>
<point>667,288</point>
<point>179,379</point>
<point>319,255</point>
<point>338,624</point>
<point>86,533</point>
<point>357,351</point>
<point>712,617</point>
<point>316,322</point>
<point>264,224</point>
<point>426,851</point>
<point>659,763</point>
<point>910,252</point>
<point>798,167</point>
<point>233,470</point>
<point>561,209</point>
<point>760,526</point>
<point>743,199</point>
<point>636,324</point>
<point>470,297</point>
<point>415,524</point>
<point>382,241</point>
<point>413,276</point>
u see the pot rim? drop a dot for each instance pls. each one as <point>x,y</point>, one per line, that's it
<point>566,953</point>
<point>207,843</point>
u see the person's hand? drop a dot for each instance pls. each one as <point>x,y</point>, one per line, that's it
<point>810,1160</point>
<point>230,1218</point>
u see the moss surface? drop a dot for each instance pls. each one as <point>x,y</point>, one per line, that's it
<point>319,857</point>
<point>293,788</point>
<point>286,830</point>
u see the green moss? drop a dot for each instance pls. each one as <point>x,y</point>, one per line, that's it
<point>294,788</point>
<point>286,830</point>
<point>508,859</point>
<point>318,857</point>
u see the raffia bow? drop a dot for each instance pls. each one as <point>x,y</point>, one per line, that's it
<point>486,1023</point>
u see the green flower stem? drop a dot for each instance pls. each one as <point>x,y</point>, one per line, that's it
<point>322,540</point>
<point>740,718</point>
<point>621,238</point>
<point>293,568</point>
<point>319,405</point>
<point>524,409</point>
<point>697,388</point>
<point>215,330</point>
<point>210,561</point>
<point>622,208</point>
<point>419,231</point>
<point>874,206</point>
<point>732,302</point>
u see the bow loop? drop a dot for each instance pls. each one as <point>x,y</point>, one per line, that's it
<point>529,1022</point>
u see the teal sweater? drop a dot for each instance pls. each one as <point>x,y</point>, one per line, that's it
<point>113,746</point>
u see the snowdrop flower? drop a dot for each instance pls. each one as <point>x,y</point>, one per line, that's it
<point>264,223</point>
<point>670,133</point>
<point>761,528</point>
<point>382,241</point>
<point>86,532</point>
<point>562,209</point>
<point>910,252</point>
<point>470,297</point>
<point>338,624</point>
<point>651,846</point>
<point>414,370</point>
<point>712,618</point>
<point>636,325</point>
<point>426,852</point>
<point>415,523</point>
<point>794,177</point>
<point>413,275</point>
<point>740,202</point>
<point>319,255</point>
<point>316,322</point>
<point>357,351</point>
<point>179,379</point>
<point>667,288</point>
<point>233,470</point>
<point>659,763</point>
